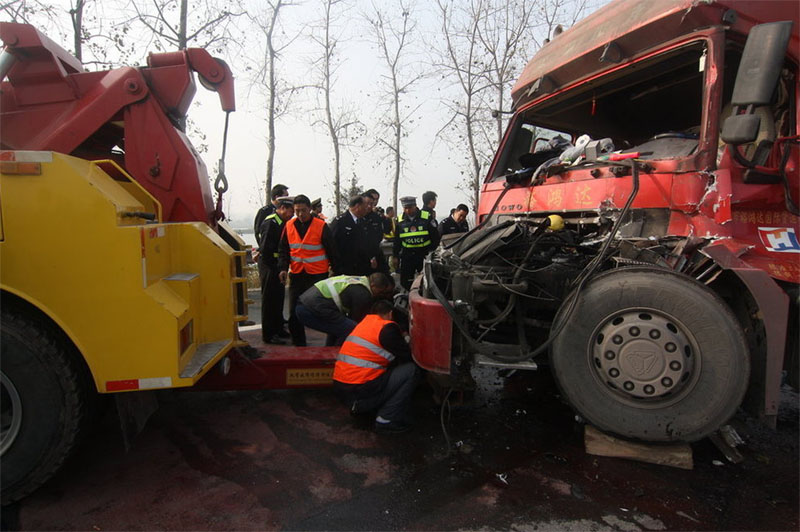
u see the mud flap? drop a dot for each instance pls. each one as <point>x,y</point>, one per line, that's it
<point>134,409</point>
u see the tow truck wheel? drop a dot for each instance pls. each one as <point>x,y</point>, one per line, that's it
<point>652,355</point>
<point>42,405</point>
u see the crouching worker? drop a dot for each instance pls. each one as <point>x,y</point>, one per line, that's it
<point>374,371</point>
<point>336,304</point>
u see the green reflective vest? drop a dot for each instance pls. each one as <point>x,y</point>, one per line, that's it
<point>279,221</point>
<point>414,234</point>
<point>333,287</point>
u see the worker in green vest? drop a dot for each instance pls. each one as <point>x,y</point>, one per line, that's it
<point>335,305</point>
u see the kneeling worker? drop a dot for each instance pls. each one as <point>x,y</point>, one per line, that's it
<point>374,370</point>
<point>336,304</point>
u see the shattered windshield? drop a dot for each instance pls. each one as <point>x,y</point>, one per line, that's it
<point>654,107</point>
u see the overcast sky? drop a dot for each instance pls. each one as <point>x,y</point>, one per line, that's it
<point>304,157</point>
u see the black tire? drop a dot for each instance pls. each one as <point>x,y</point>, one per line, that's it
<point>43,405</point>
<point>651,355</point>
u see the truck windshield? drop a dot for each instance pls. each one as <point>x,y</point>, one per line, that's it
<point>653,105</point>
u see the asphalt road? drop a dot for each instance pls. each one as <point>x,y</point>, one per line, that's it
<point>296,460</point>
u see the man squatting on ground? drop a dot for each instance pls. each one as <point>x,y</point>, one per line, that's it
<point>336,304</point>
<point>374,371</point>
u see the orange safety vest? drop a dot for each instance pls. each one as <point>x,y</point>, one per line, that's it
<point>307,253</point>
<point>361,358</point>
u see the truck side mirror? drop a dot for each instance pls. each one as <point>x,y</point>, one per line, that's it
<point>758,73</point>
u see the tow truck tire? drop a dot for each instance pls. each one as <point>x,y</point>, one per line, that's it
<point>649,354</point>
<point>43,405</point>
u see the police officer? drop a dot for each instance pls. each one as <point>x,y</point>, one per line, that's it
<point>351,239</point>
<point>429,200</point>
<point>416,236</point>
<point>278,191</point>
<point>272,290</point>
<point>456,222</point>
<point>373,228</point>
<point>335,305</point>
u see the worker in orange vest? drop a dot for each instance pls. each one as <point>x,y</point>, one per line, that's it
<point>374,371</point>
<point>306,254</point>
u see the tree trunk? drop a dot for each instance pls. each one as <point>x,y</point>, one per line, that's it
<point>182,26</point>
<point>398,130</point>
<point>76,14</point>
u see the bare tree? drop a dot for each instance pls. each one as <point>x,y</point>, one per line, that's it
<point>91,28</point>
<point>484,46</point>
<point>505,36</point>
<point>460,58</point>
<point>172,25</point>
<point>551,16</point>
<point>336,121</point>
<point>265,77</point>
<point>392,35</point>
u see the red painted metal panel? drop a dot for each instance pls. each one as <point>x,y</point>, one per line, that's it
<point>431,333</point>
<point>277,367</point>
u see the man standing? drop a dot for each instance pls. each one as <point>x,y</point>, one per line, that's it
<point>307,252</point>
<point>456,222</point>
<point>316,209</point>
<point>272,290</point>
<point>389,222</point>
<point>335,305</point>
<point>373,228</point>
<point>350,240</point>
<point>416,236</point>
<point>277,191</point>
<point>429,206</point>
<point>374,370</point>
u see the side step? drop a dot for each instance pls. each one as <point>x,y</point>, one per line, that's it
<point>201,357</point>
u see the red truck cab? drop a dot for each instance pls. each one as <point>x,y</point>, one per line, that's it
<point>595,250</point>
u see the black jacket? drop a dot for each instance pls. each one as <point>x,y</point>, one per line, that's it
<point>352,244</point>
<point>450,226</point>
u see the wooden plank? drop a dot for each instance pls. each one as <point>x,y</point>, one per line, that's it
<point>673,455</point>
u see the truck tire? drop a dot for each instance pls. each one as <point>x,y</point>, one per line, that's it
<point>649,354</point>
<point>42,405</point>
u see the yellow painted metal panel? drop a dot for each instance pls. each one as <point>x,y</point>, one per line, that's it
<point>113,287</point>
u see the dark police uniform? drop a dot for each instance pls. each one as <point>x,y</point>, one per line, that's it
<point>373,229</point>
<point>450,226</point>
<point>350,238</point>
<point>416,236</point>
<point>272,291</point>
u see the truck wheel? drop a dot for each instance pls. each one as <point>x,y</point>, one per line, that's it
<point>42,405</point>
<point>652,355</point>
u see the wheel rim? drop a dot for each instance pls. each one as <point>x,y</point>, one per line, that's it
<point>644,357</point>
<point>11,416</point>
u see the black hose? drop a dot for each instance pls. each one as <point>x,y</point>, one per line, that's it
<point>587,272</point>
<point>580,280</point>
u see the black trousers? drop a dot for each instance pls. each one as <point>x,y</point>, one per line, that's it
<point>389,396</point>
<point>410,265</point>
<point>272,296</point>
<point>299,283</point>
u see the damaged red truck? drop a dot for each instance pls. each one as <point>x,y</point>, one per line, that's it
<point>657,273</point>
